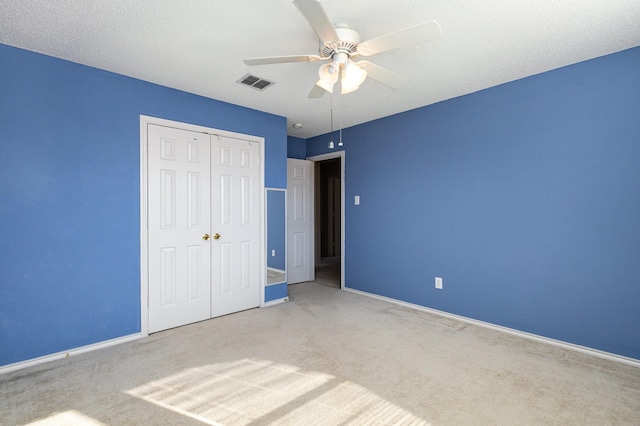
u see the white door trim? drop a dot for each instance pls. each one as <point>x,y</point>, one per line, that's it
<point>144,208</point>
<point>329,156</point>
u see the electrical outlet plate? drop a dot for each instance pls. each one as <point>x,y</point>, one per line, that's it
<point>439,283</point>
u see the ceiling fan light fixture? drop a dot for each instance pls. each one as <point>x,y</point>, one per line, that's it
<point>353,75</point>
<point>329,72</point>
<point>346,88</point>
<point>350,84</point>
<point>326,86</point>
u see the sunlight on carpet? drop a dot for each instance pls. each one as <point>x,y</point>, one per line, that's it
<point>70,417</point>
<point>240,392</point>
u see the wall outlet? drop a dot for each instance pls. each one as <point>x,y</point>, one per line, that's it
<point>439,283</point>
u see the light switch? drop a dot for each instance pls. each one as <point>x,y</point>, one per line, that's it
<point>356,200</point>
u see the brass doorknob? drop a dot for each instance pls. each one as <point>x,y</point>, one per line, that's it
<point>206,237</point>
<point>216,236</point>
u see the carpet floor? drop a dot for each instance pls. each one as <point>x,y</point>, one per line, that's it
<point>327,357</point>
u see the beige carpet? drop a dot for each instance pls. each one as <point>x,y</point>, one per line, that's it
<point>328,357</point>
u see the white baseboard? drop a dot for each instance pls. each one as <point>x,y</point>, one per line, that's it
<point>275,302</point>
<point>586,350</point>
<point>68,353</point>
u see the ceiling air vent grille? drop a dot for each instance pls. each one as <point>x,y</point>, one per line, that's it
<point>255,82</point>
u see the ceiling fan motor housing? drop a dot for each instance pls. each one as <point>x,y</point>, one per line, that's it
<point>348,42</point>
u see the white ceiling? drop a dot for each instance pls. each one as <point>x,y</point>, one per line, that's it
<point>198,46</point>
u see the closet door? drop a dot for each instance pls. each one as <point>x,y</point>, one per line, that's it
<point>179,203</point>
<point>236,193</point>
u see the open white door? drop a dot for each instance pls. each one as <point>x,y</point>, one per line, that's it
<point>300,263</point>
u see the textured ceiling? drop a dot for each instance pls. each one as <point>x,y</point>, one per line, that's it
<point>198,46</point>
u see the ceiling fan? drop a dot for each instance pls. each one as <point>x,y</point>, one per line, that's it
<point>340,45</point>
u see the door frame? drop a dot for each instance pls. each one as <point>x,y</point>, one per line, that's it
<point>341,156</point>
<point>144,206</point>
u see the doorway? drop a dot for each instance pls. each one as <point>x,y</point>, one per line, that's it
<point>328,222</point>
<point>329,219</point>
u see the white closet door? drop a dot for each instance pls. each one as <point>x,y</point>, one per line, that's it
<point>205,247</point>
<point>179,216</point>
<point>236,192</point>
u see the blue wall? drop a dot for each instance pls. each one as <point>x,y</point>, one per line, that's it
<point>296,148</point>
<point>524,198</point>
<point>275,292</point>
<point>69,191</point>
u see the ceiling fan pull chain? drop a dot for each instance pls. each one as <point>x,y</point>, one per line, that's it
<point>340,119</point>
<point>331,145</point>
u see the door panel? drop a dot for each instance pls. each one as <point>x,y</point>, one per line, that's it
<point>299,250</point>
<point>179,212</point>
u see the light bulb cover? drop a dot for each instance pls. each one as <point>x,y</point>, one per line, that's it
<point>329,72</point>
<point>326,86</point>
<point>347,87</point>
<point>353,74</point>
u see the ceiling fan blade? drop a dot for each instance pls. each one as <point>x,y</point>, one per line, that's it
<point>383,75</point>
<point>316,92</point>
<point>283,59</point>
<point>318,19</point>
<point>417,34</point>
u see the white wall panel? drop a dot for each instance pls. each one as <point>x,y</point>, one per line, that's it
<point>168,199</point>
<point>167,149</point>
<point>246,197</point>
<point>168,267</point>
<point>225,199</point>
<point>225,267</point>
<point>246,275</point>
<point>194,195</point>
<point>193,272</point>
<point>299,213</point>
<point>300,249</point>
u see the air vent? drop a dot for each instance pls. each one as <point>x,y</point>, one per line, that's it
<point>255,82</point>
